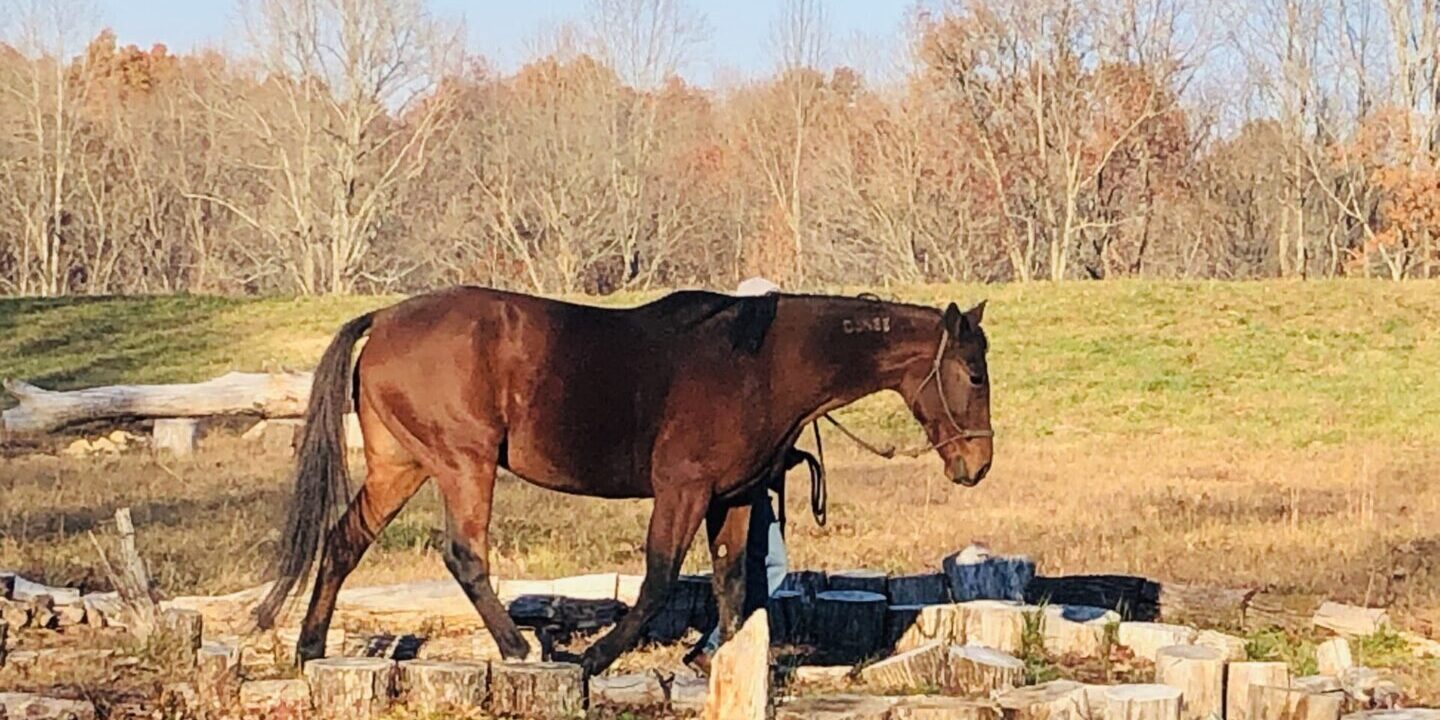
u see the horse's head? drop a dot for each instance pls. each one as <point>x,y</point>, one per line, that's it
<point>950,396</point>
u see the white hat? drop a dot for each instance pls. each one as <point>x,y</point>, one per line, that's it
<point>757,286</point>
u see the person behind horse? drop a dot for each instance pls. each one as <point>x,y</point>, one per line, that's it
<point>766,562</point>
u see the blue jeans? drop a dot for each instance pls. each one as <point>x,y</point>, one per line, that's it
<point>764,557</point>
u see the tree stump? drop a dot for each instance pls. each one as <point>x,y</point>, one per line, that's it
<point>939,707</point>
<point>691,604</point>
<point>996,624</point>
<point>217,675</point>
<point>536,689</point>
<point>974,574</point>
<point>1242,676</point>
<point>837,707</point>
<point>347,687</point>
<point>871,581</point>
<point>175,435</point>
<point>1333,656</point>
<point>806,582</point>
<point>849,625</point>
<point>1279,703</point>
<point>640,690</point>
<point>788,618</point>
<point>974,670</point>
<point>438,686</point>
<point>924,666</point>
<point>1142,702</point>
<point>1054,700</point>
<point>32,706</point>
<point>178,635</point>
<point>1076,630</point>
<point>923,589</point>
<point>821,674</point>
<point>1233,647</point>
<point>276,697</point>
<point>1349,620</point>
<point>909,627</point>
<point>1198,672</point>
<point>740,674</point>
<point>1146,638</point>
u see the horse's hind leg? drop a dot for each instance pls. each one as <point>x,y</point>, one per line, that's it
<point>469,491</point>
<point>392,477</point>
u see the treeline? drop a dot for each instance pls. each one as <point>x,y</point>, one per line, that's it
<point>353,147</point>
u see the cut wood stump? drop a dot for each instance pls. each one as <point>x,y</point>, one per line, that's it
<point>1054,700</point>
<point>639,690</point>
<point>1333,656</point>
<point>438,686</point>
<point>922,589</point>
<point>32,706</point>
<point>789,617</point>
<point>740,674</point>
<point>536,689</point>
<point>280,697</point>
<point>1233,647</point>
<point>806,582</point>
<point>175,435</point>
<point>863,580</point>
<point>1283,703</point>
<point>1349,620</point>
<point>41,410</point>
<point>1146,638</point>
<point>1241,677</point>
<point>691,604</point>
<point>996,624</point>
<point>849,625</point>
<point>836,707</point>
<point>217,674</point>
<point>975,670</point>
<point>974,574</point>
<point>924,666</point>
<point>822,674</point>
<point>1135,598</point>
<point>178,636</point>
<point>1142,702</point>
<point>1405,714</point>
<point>1076,630</point>
<point>908,626</point>
<point>1198,671</point>
<point>346,687</point>
<point>939,707</point>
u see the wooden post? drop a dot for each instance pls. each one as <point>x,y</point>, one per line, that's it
<point>1198,672</point>
<point>1054,700</point>
<point>849,625</point>
<point>1242,676</point>
<point>438,686</point>
<point>347,687</point>
<point>923,589</point>
<point>175,435</point>
<point>997,624</point>
<point>925,665</point>
<point>1076,630</point>
<point>1279,703</point>
<point>1146,638</point>
<point>788,617</point>
<point>871,581</point>
<point>1142,702</point>
<point>217,675</point>
<point>909,627</point>
<point>178,636</point>
<point>1333,656</point>
<point>740,674</point>
<point>975,670</point>
<point>536,689</point>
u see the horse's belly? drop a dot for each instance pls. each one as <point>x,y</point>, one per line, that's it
<point>601,477</point>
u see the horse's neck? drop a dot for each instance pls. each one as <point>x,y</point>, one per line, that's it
<point>860,348</point>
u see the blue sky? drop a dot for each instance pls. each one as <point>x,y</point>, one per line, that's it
<point>501,29</point>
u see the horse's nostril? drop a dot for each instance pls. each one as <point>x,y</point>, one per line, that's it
<point>984,469</point>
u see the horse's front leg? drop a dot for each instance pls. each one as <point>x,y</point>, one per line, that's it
<point>677,515</point>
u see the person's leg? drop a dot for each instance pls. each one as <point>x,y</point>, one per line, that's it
<point>777,560</point>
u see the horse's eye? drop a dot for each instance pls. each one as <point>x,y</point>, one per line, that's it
<point>977,380</point>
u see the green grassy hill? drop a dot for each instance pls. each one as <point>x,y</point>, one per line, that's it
<point>1284,364</point>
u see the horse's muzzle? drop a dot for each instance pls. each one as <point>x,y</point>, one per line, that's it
<point>960,476</point>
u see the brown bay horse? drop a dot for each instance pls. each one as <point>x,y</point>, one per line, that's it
<point>695,400</point>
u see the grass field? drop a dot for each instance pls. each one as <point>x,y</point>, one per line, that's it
<point>1271,434</point>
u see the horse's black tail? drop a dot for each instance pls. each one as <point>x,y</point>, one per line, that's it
<point>322,479</point>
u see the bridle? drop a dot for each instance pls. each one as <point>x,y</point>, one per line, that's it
<point>959,431</point>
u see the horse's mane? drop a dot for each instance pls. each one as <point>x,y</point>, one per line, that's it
<point>746,319</point>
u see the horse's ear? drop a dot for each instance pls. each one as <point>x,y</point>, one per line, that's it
<point>975,314</point>
<point>954,320</point>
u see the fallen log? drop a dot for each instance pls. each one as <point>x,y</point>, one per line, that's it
<point>269,395</point>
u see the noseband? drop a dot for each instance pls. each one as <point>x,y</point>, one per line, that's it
<point>960,432</point>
